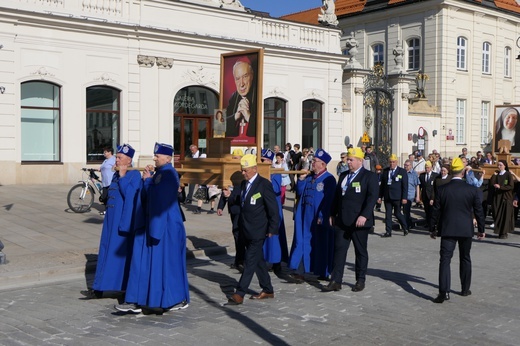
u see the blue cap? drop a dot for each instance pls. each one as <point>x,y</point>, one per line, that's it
<point>163,149</point>
<point>419,153</point>
<point>127,150</point>
<point>268,154</point>
<point>323,155</point>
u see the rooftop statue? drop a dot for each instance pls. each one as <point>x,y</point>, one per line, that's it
<point>328,13</point>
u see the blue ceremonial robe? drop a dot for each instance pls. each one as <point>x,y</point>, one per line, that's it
<point>275,247</point>
<point>115,247</point>
<point>158,276</point>
<point>312,243</point>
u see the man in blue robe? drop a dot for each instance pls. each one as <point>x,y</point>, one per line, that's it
<point>312,249</point>
<point>115,247</point>
<point>158,279</point>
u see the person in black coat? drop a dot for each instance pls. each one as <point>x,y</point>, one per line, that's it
<point>427,180</point>
<point>456,204</point>
<point>353,215</point>
<point>231,196</point>
<point>259,218</point>
<point>394,191</point>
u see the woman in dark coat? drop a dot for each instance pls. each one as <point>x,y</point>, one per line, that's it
<point>502,184</point>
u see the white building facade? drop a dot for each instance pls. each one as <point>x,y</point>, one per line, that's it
<point>80,75</point>
<point>468,49</point>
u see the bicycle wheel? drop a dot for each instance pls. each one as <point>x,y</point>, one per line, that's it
<point>80,199</point>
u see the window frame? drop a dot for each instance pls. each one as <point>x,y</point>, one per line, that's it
<point>462,53</point>
<point>374,49</point>
<point>57,109</point>
<point>413,57</point>
<point>267,142</point>
<point>460,121</point>
<point>507,61</point>
<point>485,107</point>
<point>315,122</point>
<point>486,58</point>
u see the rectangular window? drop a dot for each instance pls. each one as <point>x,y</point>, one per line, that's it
<point>378,54</point>
<point>507,62</point>
<point>414,53</point>
<point>484,122</point>
<point>461,53</point>
<point>40,121</point>
<point>460,121</point>
<point>486,58</point>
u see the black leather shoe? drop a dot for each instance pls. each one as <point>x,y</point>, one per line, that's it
<point>386,235</point>
<point>296,278</point>
<point>406,232</point>
<point>441,298</point>
<point>465,293</point>
<point>358,287</point>
<point>332,286</point>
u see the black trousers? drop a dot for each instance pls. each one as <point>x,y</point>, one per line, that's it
<point>254,263</point>
<point>407,211</point>
<point>394,206</point>
<point>240,247</point>
<point>427,211</point>
<point>447,248</point>
<point>359,237</point>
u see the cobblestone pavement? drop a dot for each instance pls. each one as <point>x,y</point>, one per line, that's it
<point>395,308</point>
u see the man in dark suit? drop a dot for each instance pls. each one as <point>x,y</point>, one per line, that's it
<point>455,206</point>
<point>427,179</point>
<point>258,219</point>
<point>394,191</point>
<point>353,215</point>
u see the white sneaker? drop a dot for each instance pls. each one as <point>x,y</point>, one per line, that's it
<point>125,307</point>
<point>181,306</point>
<point>492,225</point>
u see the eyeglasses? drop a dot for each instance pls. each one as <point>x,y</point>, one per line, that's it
<point>343,157</point>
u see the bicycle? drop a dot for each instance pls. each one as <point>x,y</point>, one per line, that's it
<point>81,196</point>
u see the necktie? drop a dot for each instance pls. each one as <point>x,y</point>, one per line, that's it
<point>428,177</point>
<point>245,192</point>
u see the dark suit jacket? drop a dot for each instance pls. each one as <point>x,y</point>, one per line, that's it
<point>396,191</point>
<point>258,219</point>
<point>455,205</point>
<point>347,207</point>
<point>427,186</point>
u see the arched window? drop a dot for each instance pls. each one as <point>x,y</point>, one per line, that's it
<point>103,116</point>
<point>193,107</point>
<point>486,58</point>
<point>414,54</point>
<point>378,54</point>
<point>462,45</point>
<point>40,120</point>
<point>274,122</point>
<point>311,124</point>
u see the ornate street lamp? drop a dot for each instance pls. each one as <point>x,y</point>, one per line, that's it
<point>420,82</point>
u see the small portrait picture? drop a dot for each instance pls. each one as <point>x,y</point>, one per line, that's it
<point>507,126</point>
<point>219,123</point>
<point>241,98</point>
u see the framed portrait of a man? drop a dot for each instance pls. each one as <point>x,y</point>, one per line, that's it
<point>241,95</point>
<point>507,126</point>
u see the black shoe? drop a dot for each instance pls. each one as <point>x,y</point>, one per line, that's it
<point>92,294</point>
<point>441,298</point>
<point>465,293</point>
<point>406,231</point>
<point>323,278</point>
<point>358,287</point>
<point>332,286</point>
<point>188,201</point>
<point>296,278</point>
<point>211,211</point>
<point>386,235</point>
<point>196,211</point>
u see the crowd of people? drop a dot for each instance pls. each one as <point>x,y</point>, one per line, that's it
<point>143,227</point>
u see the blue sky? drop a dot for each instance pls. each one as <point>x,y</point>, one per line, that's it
<point>279,8</point>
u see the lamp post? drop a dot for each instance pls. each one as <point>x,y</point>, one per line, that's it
<point>420,82</point>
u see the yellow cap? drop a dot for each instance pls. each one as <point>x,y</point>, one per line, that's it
<point>356,152</point>
<point>428,163</point>
<point>237,152</point>
<point>457,165</point>
<point>393,157</point>
<point>248,160</point>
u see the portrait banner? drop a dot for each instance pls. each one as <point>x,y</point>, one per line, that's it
<point>507,127</point>
<point>241,96</point>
